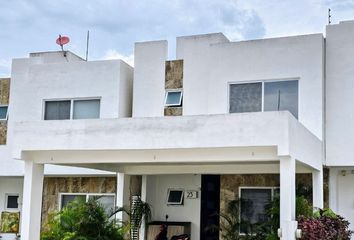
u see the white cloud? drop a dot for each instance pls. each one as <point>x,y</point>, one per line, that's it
<point>5,67</point>
<point>5,63</point>
<point>114,54</point>
<point>288,17</point>
<point>117,24</point>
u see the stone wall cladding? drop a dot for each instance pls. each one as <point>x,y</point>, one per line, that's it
<point>229,184</point>
<point>4,91</point>
<point>173,111</point>
<point>173,81</point>
<point>4,100</point>
<point>135,185</point>
<point>326,187</point>
<point>52,186</point>
<point>3,132</point>
<point>174,74</point>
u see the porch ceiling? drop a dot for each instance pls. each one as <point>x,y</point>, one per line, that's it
<point>215,139</point>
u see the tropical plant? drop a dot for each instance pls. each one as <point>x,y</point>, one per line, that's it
<point>138,212</point>
<point>270,227</point>
<point>81,220</point>
<point>325,224</point>
<point>231,224</point>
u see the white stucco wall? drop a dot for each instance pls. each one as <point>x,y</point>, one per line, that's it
<point>341,192</point>
<point>211,62</point>
<point>340,94</point>
<point>149,78</point>
<point>158,186</point>
<point>31,84</point>
<point>209,70</point>
<point>12,185</point>
<point>49,75</point>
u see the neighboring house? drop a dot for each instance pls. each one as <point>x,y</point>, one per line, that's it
<point>62,88</point>
<point>225,120</point>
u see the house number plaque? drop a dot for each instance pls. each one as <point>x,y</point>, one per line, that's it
<point>191,194</point>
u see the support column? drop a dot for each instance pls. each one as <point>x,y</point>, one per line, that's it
<point>143,198</point>
<point>317,188</point>
<point>333,189</point>
<point>123,185</point>
<point>32,201</point>
<point>288,223</point>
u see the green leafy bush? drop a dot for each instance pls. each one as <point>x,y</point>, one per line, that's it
<point>81,220</point>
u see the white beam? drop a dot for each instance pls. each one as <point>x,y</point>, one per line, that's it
<point>317,188</point>
<point>156,156</point>
<point>32,201</point>
<point>288,223</point>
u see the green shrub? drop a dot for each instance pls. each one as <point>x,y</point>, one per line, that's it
<point>81,220</point>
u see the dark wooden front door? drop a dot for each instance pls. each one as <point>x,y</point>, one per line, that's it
<point>210,207</point>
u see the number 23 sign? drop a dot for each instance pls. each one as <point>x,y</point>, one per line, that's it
<point>191,194</point>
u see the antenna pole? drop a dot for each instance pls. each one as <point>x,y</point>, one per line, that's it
<point>61,44</point>
<point>329,16</point>
<point>278,99</point>
<point>87,44</point>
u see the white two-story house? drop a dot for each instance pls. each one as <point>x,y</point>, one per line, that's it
<point>224,120</point>
<point>49,86</point>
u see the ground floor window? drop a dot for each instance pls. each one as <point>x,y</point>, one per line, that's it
<point>11,201</point>
<point>254,201</point>
<point>107,200</point>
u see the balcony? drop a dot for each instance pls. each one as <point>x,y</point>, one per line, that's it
<point>261,136</point>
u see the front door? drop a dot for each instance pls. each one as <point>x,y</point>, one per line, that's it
<point>210,207</point>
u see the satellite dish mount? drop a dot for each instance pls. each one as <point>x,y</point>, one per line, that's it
<point>61,41</point>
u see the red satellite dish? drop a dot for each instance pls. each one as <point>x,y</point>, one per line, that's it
<point>62,40</point>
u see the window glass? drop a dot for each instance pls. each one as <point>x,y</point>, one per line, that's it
<point>174,98</point>
<point>12,201</point>
<point>175,197</point>
<point>253,203</point>
<point>106,201</point>
<point>85,109</point>
<point>65,199</point>
<point>3,112</point>
<point>245,97</point>
<point>276,192</point>
<point>282,95</point>
<point>57,110</point>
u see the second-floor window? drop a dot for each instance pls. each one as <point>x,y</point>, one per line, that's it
<point>72,109</point>
<point>264,96</point>
<point>173,98</point>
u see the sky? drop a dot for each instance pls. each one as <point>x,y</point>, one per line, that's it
<point>115,25</point>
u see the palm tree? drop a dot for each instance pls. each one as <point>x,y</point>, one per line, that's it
<point>138,213</point>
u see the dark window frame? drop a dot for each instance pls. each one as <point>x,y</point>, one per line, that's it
<point>7,195</point>
<point>72,106</point>
<point>7,112</point>
<point>265,82</point>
